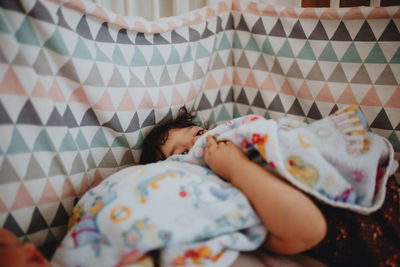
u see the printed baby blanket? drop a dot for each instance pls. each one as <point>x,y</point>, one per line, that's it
<point>183,209</point>
<point>334,159</point>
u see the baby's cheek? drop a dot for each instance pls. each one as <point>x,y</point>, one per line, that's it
<point>12,257</point>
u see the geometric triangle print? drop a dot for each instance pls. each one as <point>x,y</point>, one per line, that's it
<point>361,76</point>
<point>108,160</point>
<point>22,199</point>
<point>386,77</point>
<point>382,121</point>
<point>49,195</point>
<point>371,98</point>
<point>12,225</point>
<point>61,217</point>
<point>365,33</point>
<point>34,170</point>
<point>347,97</point>
<point>391,33</point>
<point>314,112</point>
<point>8,173</point>
<point>37,222</point>
<point>394,100</point>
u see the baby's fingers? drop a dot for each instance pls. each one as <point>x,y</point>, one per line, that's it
<point>211,142</point>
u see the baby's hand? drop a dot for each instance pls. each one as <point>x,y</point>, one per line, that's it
<point>224,158</point>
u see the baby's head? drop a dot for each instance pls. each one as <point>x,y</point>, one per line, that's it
<point>175,136</point>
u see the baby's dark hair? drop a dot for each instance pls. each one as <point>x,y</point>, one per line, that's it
<point>159,134</point>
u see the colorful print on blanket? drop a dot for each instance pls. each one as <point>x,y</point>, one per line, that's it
<point>334,159</point>
<point>183,209</point>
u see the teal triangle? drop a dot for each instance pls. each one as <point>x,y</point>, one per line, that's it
<point>211,119</point>
<point>267,47</point>
<point>236,112</point>
<point>215,45</point>
<point>188,54</point>
<point>396,57</point>
<point>236,42</point>
<point>99,139</point>
<point>223,114</point>
<point>266,115</point>
<point>81,141</point>
<point>157,58</point>
<point>224,44</point>
<point>50,238</point>
<point>118,57</point>
<point>198,121</point>
<point>306,120</point>
<point>328,54</point>
<point>201,51</point>
<point>17,144</point>
<point>286,50</point>
<point>100,56</point>
<point>250,111</point>
<point>3,26</point>
<point>139,142</point>
<point>26,33</point>
<point>81,50</point>
<point>252,44</point>
<point>306,52</point>
<point>56,43</point>
<point>376,55</point>
<point>43,142</point>
<point>138,58</point>
<point>394,141</point>
<point>173,56</point>
<point>68,143</point>
<point>351,55</point>
<point>120,141</point>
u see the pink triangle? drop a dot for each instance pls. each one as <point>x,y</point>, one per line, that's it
<point>394,100</point>
<point>225,80</point>
<point>3,207</point>
<point>171,26</point>
<point>185,21</point>
<point>84,186</point>
<point>199,18</point>
<point>22,198</point>
<point>325,94</point>
<point>121,22</point>
<point>222,7</point>
<point>289,12</point>
<point>236,78</point>
<point>77,5</point>
<point>192,93</point>
<point>68,189</point>
<point>397,14</point>
<point>79,95</point>
<point>49,195</point>
<point>251,81</point>
<point>379,13</point>
<point>162,101</point>
<point>287,88</point>
<point>304,92</point>
<point>253,8</point>
<point>56,93</point>
<point>236,5</point>
<point>211,82</point>
<point>39,91</point>
<point>177,99</point>
<point>269,11</point>
<point>11,84</point>
<point>139,27</point>
<point>97,179</point>
<point>269,84</point>
<point>105,102</point>
<point>371,98</point>
<point>353,13</point>
<point>210,13</point>
<point>308,13</point>
<point>146,101</point>
<point>100,13</point>
<point>330,14</point>
<point>347,97</point>
<point>156,29</point>
<point>126,103</point>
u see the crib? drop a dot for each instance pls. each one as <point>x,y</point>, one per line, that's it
<point>81,86</point>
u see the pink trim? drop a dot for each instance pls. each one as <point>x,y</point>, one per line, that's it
<point>308,13</point>
<point>68,189</point>
<point>210,13</point>
<point>378,13</point>
<point>330,14</point>
<point>253,8</point>
<point>100,13</point>
<point>353,13</point>
<point>269,11</point>
<point>288,12</point>
<point>155,28</point>
<point>236,5</point>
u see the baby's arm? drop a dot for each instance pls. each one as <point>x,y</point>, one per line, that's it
<point>294,222</point>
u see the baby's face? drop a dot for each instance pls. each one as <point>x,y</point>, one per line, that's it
<point>181,140</point>
<point>17,254</point>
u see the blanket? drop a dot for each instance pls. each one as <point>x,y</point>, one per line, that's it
<point>183,209</point>
<point>334,159</point>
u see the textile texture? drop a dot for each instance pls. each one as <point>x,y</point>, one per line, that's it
<point>81,86</point>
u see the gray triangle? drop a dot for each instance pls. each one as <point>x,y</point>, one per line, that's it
<point>114,124</point>
<point>135,82</point>
<point>242,26</point>
<point>193,35</point>
<point>207,33</point>
<point>56,167</point>
<point>127,158</point>
<point>94,77</point>
<point>150,120</point>
<point>68,70</point>
<point>20,60</point>
<point>318,33</point>
<point>28,115</point>
<point>77,165</point>
<point>261,64</point>
<point>103,35</point>
<point>278,29</point>
<point>181,76</point>
<point>41,65</point>
<point>176,38</point>
<point>83,28</point>
<point>276,105</point>
<point>55,119</point>
<point>69,118</point>
<point>134,124</point>
<point>229,61</point>
<point>219,25</point>
<point>295,71</point>
<point>229,23</point>
<point>39,11</point>
<point>159,40</point>
<point>90,161</point>
<point>259,101</point>
<point>338,75</point>
<point>10,223</point>
<point>61,19</point>
<point>229,97</point>
<point>3,58</point>
<point>116,79</point>
<point>38,223</point>
<point>34,171</point>
<point>108,160</point>
<point>13,5</point>
<point>218,99</point>
<point>148,79</point>
<point>197,72</point>
<point>218,64</point>
<point>89,118</point>
<point>165,79</point>
<point>276,68</point>
<point>296,109</point>
<point>259,28</point>
<point>297,31</point>
<point>243,61</point>
<point>341,33</point>
<point>386,77</point>
<point>365,33</point>
<point>314,113</point>
<point>4,117</point>
<point>141,39</point>
<point>8,173</point>
<point>122,37</point>
<point>242,98</point>
<point>315,73</point>
<point>204,103</point>
<point>361,76</point>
